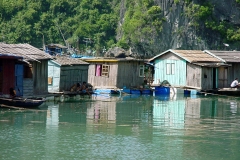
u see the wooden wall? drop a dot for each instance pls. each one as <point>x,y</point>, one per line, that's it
<point>207,78</point>
<point>176,79</point>
<point>27,87</point>
<point>70,75</point>
<point>121,73</point>
<point>101,81</point>
<point>224,77</point>
<point>194,75</point>
<point>199,77</point>
<point>128,74</point>
<point>40,77</point>
<point>7,75</point>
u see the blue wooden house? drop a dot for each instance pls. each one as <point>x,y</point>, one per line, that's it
<point>186,68</point>
<point>64,71</point>
<point>28,74</point>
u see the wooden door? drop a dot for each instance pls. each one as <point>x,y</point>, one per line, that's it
<point>222,79</point>
<point>19,79</point>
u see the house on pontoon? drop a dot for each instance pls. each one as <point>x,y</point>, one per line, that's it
<point>187,68</point>
<point>64,71</point>
<point>55,49</point>
<point>24,69</point>
<point>115,72</point>
<point>226,74</point>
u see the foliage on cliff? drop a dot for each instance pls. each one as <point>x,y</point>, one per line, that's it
<point>105,23</point>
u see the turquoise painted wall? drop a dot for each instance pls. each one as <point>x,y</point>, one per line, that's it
<point>179,76</point>
<point>54,72</point>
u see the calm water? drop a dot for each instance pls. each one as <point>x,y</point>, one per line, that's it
<point>126,127</point>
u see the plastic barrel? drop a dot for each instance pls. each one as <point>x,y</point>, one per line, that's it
<point>162,90</point>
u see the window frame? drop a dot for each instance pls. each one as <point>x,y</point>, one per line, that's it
<point>170,68</point>
<point>141,70</point>
<point>105,70</point>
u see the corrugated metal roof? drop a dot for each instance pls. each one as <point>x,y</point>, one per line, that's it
<point>63,60</point>
<point>28,52</point>
<point>227,56</point>
<point>191,56</point>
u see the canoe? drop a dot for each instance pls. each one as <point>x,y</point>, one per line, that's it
<point>22,102</point>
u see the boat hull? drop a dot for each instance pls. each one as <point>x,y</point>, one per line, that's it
<point>22,102</point>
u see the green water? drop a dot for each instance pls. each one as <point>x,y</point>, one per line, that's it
<point>124,127</point>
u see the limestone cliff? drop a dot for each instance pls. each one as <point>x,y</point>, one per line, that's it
<point>178,31</point>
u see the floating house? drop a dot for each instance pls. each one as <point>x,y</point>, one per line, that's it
<point>115,72</point>
<point>226,74</point>
<point>25,69</point>
<point>55,49</point>
<point>187,68</point>
<point>9,77</point>
<point>64,71</point>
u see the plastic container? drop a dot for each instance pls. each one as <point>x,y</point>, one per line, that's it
<point>162,90</point>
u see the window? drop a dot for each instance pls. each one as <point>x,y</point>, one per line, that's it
<point>102,70</point>
<point>141,71</point>
<point>170,68</point>
<point>105,70</point>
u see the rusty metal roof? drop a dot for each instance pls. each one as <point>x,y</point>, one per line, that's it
<point>191,56</point>
<point>63,60</point>
<point>28,52</point>
<point>226,56</point>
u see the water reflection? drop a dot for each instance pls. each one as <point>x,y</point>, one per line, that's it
<point>103,126</point>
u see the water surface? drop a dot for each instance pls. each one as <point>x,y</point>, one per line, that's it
<point>124,127</point>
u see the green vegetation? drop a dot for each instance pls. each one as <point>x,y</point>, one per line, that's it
<point>98,21</point>
<point>72,21</point>
<point>203,14</point>
<point>31,21</point>
<point>142,19</point>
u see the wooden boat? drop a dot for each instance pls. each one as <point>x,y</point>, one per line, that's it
<point>22,102</point>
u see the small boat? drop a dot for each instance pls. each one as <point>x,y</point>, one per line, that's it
<point>22,102</point>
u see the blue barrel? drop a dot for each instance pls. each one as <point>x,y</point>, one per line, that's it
<point>162,90</point>
<point>127,90</point>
